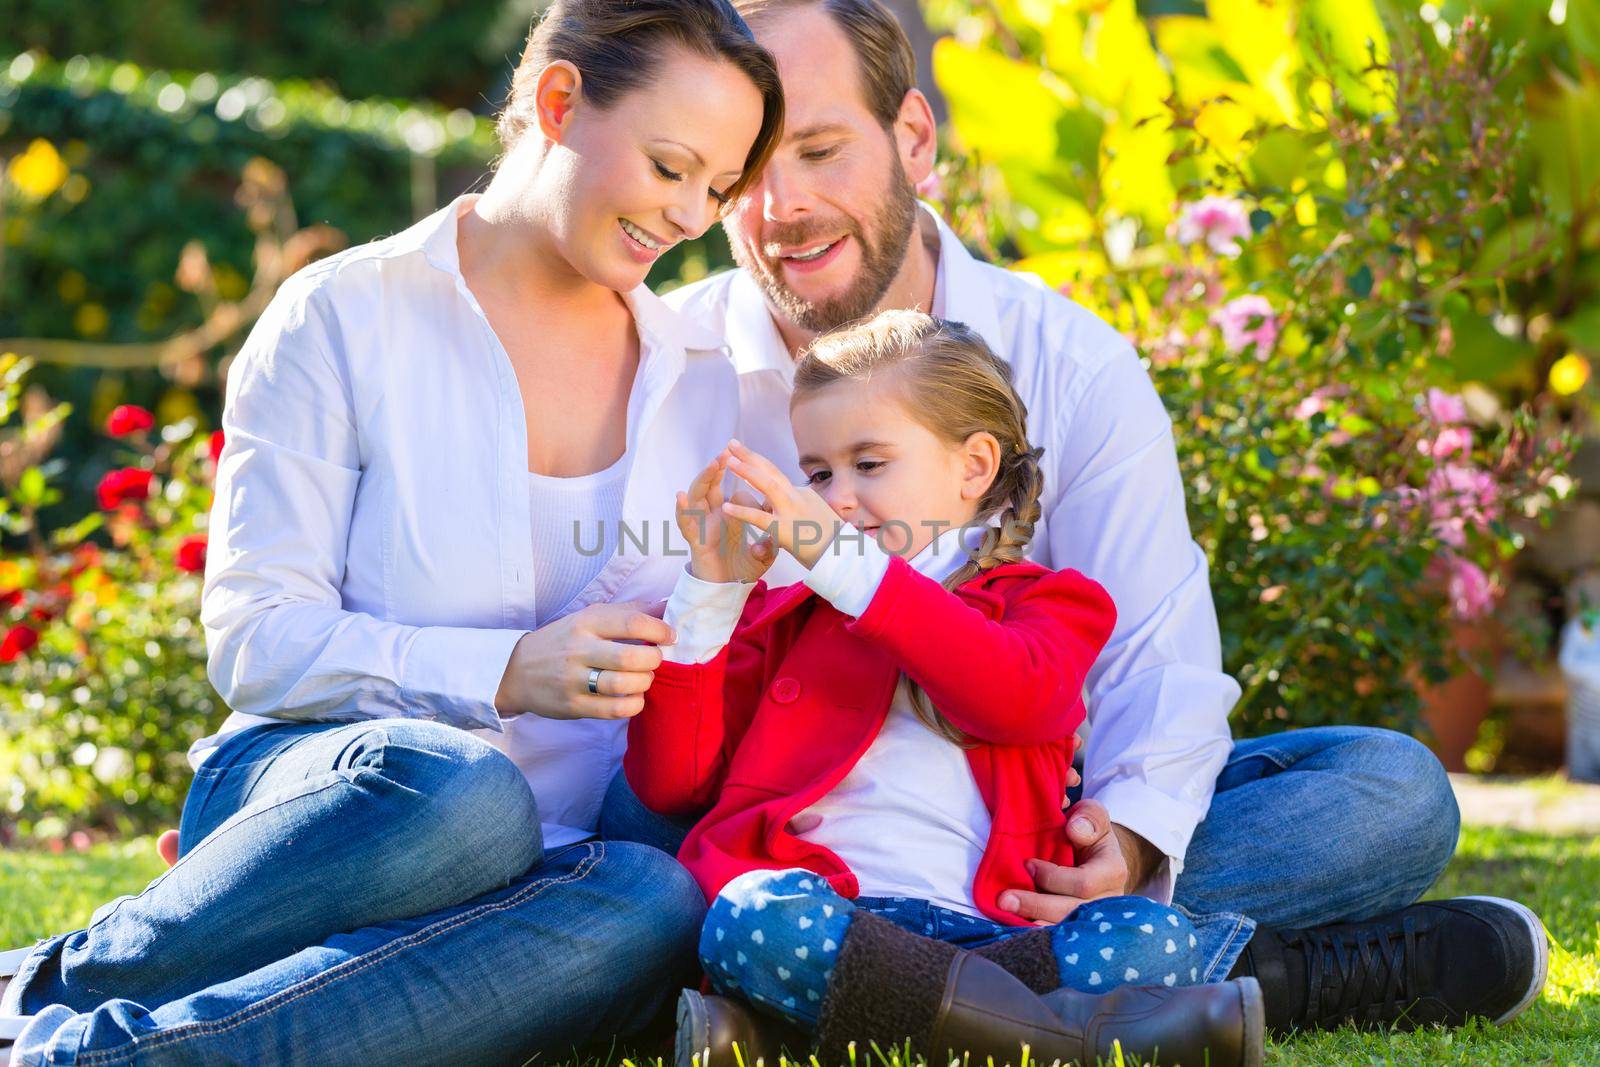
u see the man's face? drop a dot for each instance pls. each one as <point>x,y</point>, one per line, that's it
<point>826,229</point>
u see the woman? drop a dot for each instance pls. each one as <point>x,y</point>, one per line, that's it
<point>418,606</point>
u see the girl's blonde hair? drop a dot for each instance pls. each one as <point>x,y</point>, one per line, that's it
<point>956,387</point>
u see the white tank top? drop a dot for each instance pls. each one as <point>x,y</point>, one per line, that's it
<point>575,531</point>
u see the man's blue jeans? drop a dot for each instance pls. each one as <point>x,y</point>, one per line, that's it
<point>1306,827</point>
<point>368,892</point>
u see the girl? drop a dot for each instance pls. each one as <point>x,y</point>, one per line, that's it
<point>884,745</point>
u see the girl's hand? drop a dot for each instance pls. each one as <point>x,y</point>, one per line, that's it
<point>719,549</point>
<point>796,517</point>
<point>550,668</point>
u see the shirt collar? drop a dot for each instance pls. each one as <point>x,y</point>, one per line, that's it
<point>753,337</point>
<point>941,557</point>
<point>961,294</point>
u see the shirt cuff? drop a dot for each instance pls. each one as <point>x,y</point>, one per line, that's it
<point>1160,820</point>
<point>454,673</point>
<point>703,616</point>
<point>849,571</point>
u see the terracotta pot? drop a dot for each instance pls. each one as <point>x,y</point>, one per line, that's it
<point>1455,708</point>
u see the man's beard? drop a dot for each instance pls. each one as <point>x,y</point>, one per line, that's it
<point>881,259</point>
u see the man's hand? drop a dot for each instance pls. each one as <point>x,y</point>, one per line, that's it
<point>1112,861</point>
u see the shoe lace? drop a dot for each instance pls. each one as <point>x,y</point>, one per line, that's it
<point>1362,974</point>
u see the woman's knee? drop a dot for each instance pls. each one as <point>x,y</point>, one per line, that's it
<point>453,798</point>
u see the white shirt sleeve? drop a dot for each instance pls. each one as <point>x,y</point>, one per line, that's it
<point>279,641</point>
<point>849,571</point>
<point>1158,698</point>
<point>703,616</point>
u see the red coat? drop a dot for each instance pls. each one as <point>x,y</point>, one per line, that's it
<point>783,713</point>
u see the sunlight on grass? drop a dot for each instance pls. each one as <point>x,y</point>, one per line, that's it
<point>1557,876</point>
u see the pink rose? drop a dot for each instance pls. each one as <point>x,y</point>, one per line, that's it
<point>1467,588</point>
<point>1460,495</point>
<point>1219,221</point>
<point>1246,321</point>
<point>1448,441</point>
<point>1445,408</point>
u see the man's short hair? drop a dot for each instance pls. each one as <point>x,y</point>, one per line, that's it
<point>884,57</point>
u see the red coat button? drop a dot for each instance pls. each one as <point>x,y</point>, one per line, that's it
<point>786,690</point>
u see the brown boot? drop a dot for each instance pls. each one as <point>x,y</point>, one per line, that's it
<point>890,985</point>
<point>709,1027</point>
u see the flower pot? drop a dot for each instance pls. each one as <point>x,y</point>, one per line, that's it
<point>1455,708</point>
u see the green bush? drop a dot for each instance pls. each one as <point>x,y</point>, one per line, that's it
<point>110,171</point>
<point>1293,211</point>
<point>444,51</point>
<point>103,685</point>
<point>149,161</point>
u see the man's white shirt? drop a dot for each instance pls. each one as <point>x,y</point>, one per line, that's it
<point>1113,509</point>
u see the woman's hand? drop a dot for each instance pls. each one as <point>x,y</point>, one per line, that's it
<point>796,518</point>
<point>550,668</point>
<point>719,548</point>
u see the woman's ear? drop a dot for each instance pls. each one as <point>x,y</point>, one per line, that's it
<point>554,97</point>
<point>980,464</point>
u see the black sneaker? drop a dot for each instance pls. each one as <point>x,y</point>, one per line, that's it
<point>1442,961</point>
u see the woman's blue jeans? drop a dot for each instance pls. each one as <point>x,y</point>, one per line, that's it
<point>367,892</point>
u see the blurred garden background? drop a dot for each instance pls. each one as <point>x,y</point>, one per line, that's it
<point>1357,241</point>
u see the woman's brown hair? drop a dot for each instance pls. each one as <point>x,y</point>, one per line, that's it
<point>616,46</point>
<point>956,387</point>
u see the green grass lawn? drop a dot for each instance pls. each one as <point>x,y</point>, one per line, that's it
<point>1558,876</point>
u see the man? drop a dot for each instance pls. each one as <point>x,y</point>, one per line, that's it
<point>1299,855</point>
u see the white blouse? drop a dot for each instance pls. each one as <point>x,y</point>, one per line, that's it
<point>371,548</point>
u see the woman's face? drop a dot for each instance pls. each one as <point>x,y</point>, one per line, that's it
<point>629,181</point>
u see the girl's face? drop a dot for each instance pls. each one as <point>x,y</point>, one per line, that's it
<point>884,472</point>
<point>619,186</point>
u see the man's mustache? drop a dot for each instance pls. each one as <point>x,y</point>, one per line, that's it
<point>795,234</point>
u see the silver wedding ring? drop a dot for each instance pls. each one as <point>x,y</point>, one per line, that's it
<point>594,679</point>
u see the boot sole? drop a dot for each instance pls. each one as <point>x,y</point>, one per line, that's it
<point>1541,954</point>
<point>1255,1020</point>
<point>694,1030</point>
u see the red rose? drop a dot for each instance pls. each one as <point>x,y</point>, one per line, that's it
<point>216,445</point>
<point>129,418</point>
<point>18,640</point>
<point>191,555</point>
<point>121,486</point>
<point>10,599</point>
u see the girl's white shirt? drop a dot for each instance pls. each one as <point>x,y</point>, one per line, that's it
<point>371,543</point>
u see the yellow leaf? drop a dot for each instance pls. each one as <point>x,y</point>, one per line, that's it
<point>1062,268</point>
<point>1133,176</point>
<point>1569,374</point>
<point>39,171</point>
<point>1003,107</point>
